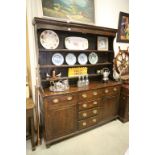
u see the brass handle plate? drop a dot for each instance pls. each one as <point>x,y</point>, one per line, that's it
<point>115,89</point>
<point>95,111</point>
<point>84,95</point>
<point>84,123</point>
<point>84,105</point>
<point>69,98</point>
<point>94,93</point>
<point>106,91</point>
<point>95,102</point>
<point>94,120</point>
<point>84,114</point>
<point>55,100</point>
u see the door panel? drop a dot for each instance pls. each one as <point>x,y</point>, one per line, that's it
<point>61,122</point>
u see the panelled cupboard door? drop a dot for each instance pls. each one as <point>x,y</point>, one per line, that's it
<point>124,107</point>
<point>109,107</point>
<point>60,122</point>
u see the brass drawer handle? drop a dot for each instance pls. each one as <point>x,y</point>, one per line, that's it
<point>95,102</point>
<point>84,105</point>
<point>114,89</point>
<point>94,120</point>
<point>84,123</point>
<point>95,111</point>
<point>55,100</point>
<point>106,91</point>
<point>94,93</point>
<point>69,98</point>
<point>84,114</point>
<point>84,95</point>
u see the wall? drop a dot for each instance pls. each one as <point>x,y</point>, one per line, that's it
<point>106,15</point>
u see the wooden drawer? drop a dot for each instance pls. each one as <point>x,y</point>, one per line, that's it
<point>61,100</point>
<point>93,94</point>
<point>111,90</point>
<point>88,113</point>
<point>88,105</point>
<point>88,122</point>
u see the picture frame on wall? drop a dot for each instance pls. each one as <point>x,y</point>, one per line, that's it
<point>102,43</point>
<point>123,28</point>
<point>78,11</point>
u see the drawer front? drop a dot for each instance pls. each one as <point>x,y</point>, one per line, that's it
<point>88,113</point>
<point>88,122</point>
<point>111,90</point>
<point>88,105</point>
<point>93,94</point>
<point>61,100</point>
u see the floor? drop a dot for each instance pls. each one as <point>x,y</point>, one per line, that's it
<point>109,139</point>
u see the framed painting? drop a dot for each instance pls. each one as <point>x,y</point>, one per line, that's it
<point>81,11</point>
<point>123,28</point>
<point>102,43</point>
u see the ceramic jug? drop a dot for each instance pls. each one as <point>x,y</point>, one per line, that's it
<point>105,73</point>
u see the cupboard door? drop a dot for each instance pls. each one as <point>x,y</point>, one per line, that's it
<point>109,107</point>
<point>124,108</point>
<point>60,122</point>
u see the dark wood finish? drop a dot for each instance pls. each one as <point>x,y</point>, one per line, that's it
<point>77,110</point>
<point>124,103</point>
<point>89,32</point>
<point>89,104</point>
<point>109,107</point>
<point>60,122</point>
<point>98,64</point>
<point>83,110</point>
<point>88,122</point>
<point>30,120</point>
<point>88,113</point>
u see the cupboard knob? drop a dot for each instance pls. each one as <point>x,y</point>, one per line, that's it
<point>55,100</point>
<point>95,102</point>
<point>115,89</point>
<point>106,91</point>
<point>95,111</point>
<point>84,105</point>
<point>94,120</point>
<point>84,123</point>
<point>69,98</point>
<point>84,114</point>
<point>95,93</point>
<point>84,95</point>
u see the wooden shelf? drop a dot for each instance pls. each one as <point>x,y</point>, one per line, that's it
<point>75,77</point>
<point>87,65</point>
<point>66,50</point>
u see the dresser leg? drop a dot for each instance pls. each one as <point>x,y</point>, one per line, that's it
<point>32,134</point>
<point>48,146</point>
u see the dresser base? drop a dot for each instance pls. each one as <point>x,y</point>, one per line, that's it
<point>51,142</point>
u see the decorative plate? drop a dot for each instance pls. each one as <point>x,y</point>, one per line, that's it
<point>49,39</point>
<point>70,59</point>
<point>93,58</point>
<point>76,43</point>
<point>57,59</point>
<point>82,59</point>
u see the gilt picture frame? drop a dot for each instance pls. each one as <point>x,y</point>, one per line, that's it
<point>123,28</point>
<point>77,11</point>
